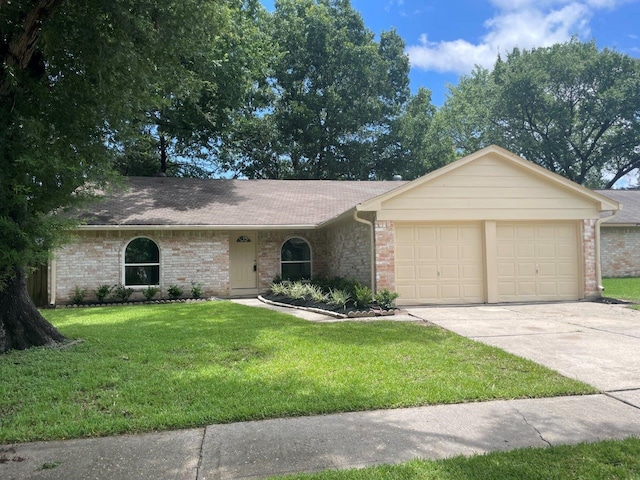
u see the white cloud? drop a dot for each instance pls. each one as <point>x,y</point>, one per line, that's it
<point>517,23</point>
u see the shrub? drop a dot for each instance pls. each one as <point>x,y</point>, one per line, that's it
<point>78,295</point>
<point>316,294</point>
<point>150,292</point>
<point>336,283</point>
<point>385,298</point>
<point>339,297</point>
<point>122,293</point>
<point>299,290</point>
<point>362,296</point>
<point>174,291</point>
<point>196,290</point>
<point>280,288</point>
<point>102,292</point>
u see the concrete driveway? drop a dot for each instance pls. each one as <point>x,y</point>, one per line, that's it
<point>593,342</point>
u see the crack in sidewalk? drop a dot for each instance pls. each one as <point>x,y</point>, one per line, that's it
<point>534,428</point>
<point>200,455</point>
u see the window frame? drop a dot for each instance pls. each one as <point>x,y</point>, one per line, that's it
<point>125,264</point>
<point>290,262</point>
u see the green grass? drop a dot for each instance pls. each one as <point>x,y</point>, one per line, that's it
<point>614,459</point>
<point>622,288</point>
<point>159,367</point>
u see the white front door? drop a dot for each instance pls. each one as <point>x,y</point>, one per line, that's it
<point>243,267</point>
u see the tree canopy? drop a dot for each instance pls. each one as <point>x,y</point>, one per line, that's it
<point>74,75</point>
<point>570,108</point>
<point>325,109</point>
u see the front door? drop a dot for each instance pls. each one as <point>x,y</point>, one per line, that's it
<point>243,271</point>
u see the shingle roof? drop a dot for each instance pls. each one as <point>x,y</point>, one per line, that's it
<point>191,201</point>
<point>630,200</point>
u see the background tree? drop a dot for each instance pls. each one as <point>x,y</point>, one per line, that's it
<point>72,76</point>
<point>326,108</point>
<point>179,133</point>
<point>417,144</point>
<point>570,108</point>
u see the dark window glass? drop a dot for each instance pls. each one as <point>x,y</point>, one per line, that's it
<point>295,259</point>
<point>142,262</point>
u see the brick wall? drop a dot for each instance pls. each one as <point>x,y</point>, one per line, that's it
<point>349,251</point>
<point>589,256</point>
<point>385,256</point>
<point>96,258</point>
<point>620,251</point>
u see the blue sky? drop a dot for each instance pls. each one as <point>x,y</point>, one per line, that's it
<point>446,38</point>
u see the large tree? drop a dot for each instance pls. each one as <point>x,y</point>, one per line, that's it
<point>326,107</point>
<point>571,108</point>
<point>179,134</point>
<point>72,76</point>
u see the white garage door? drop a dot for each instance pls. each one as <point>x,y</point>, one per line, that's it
<point>537,262</point>
<point>439,264</point>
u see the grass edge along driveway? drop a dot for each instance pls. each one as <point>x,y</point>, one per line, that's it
<point>163,367</point>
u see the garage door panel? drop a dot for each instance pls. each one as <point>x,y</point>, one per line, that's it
<point>427,272</point>
<point>426,291</point>
<point>427,252</point>
<point>404,252</point>
<point>449,252</point>
<point>540,261</point>
<point>425,234</point>
<point>407,271</point>
<point>450,272</point>
<point>405,235</point>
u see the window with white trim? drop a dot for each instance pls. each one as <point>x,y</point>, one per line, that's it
<point>295,259</point>
<point>141,263</point>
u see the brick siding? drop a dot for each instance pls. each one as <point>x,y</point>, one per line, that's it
<point>349,251</point>
<point>620,251</point>
<point>589,257</point>
<point>96,258</point>
<point>385,256</point>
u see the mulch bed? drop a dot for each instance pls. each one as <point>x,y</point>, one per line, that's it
<point>309,303</point>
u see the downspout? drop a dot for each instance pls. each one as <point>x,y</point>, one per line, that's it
<point>598,266</point>
<point>372,245</point>
<point>54,277</point>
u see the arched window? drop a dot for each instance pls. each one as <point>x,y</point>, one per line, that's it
<point>295,259</point>
<point>142,262</point>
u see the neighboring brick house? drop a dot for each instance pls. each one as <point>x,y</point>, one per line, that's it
<point>620,236</point>
<point>488,228</point>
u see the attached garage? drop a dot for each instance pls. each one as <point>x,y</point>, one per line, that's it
<point>489,228</point>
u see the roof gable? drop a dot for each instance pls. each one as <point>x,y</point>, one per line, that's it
<point>491,183</point>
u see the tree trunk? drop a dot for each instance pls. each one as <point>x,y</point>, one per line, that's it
<point>21,325</point>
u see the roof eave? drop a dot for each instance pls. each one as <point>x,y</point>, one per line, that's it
<point>139,227</point>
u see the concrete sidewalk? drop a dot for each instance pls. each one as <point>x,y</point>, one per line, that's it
<point>252,450</point>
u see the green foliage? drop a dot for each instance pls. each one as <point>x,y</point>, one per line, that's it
<point>78,295</point>
<point>570,108</point>
<point>362,296</point>
<point>175,291</point>
<point>339,297</point>
<point>385,298</point>
<point>150,292</point>
<point>102,292</point>
<point>280,288</point>
<point>121,293</point>
<point>161,367</point>
<point>622,288</point>
<point>196,290</point>
<point>325,107</point>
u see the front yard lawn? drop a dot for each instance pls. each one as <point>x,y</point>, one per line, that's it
<point>160,367</point>
<point>622,288</point>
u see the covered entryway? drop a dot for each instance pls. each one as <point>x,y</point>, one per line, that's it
<point>439,264</point>
<point>242,263</point>
<point>537,261</point>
